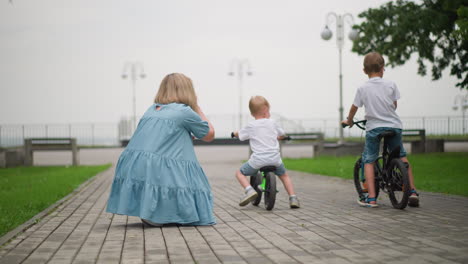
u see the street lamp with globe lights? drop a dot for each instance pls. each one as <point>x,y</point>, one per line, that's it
<point>461,101</point>
<point>327,35</point>
<point>134,70</point>
<point>238,67</point>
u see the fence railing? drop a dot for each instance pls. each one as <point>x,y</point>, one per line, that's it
<point>110,134</point>
<point>93,134</point>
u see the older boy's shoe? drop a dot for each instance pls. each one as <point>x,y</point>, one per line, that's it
<point>367,202</point>
<point>413,199</point>
<point>249,195</point>
<point>294,202</point>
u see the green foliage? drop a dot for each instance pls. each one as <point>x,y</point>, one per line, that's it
<point>434,29</point>
<point>462,23</point>
<point>434,172</point>
<point>26,191</point>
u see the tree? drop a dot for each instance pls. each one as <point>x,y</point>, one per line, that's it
<point>437,30</point>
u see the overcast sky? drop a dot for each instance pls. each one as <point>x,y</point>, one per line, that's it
<point>61,61</point>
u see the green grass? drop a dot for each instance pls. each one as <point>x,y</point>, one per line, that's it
<point>434,172</point>
<point>26,191</point>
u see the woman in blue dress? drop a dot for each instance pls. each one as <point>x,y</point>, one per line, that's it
<point>158,177</point>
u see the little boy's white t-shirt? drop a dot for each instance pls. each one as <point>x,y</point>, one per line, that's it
<point>377,96</point>
<point>263,138</point>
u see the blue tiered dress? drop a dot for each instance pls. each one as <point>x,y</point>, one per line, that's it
<point>158,177</point>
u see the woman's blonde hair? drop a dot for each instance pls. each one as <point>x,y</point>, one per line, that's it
<point>257,103</point>
<point>176,88</point>
<point>373,62</point>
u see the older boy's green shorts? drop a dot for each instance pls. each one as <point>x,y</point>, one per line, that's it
<point>247,170</point>
<point>371,148</point>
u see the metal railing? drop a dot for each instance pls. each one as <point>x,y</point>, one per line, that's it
<point>111,134</point>
<point>93,134</point>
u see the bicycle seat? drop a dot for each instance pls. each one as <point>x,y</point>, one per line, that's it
<point>387,133</point>
<point>268,168</point>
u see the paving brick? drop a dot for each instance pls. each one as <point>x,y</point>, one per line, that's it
<point>329,228</point>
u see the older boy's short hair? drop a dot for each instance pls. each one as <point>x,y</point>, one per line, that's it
<point>373,62</point>
<point>257,103</point>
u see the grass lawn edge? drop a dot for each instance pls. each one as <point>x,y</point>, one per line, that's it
<point>441,173</point>
<point>8,237</point>
<point>446,195</point>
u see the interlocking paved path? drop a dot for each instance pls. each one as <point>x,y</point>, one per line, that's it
<point>329,228</point>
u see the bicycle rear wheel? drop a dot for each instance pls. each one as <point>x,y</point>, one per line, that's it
<point>255,181</point>
<point>359,180</point>
<point>270,190</point>
<point>398,184</point>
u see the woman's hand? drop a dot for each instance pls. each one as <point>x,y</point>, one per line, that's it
<point>211,133</point>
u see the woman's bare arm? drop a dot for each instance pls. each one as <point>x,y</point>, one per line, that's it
<point>211,133</point>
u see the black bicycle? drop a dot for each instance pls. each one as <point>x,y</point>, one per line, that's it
<point>391,173</point>
<point>264,183</point>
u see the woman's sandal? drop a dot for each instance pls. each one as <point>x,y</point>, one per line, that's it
<point>367,202</point>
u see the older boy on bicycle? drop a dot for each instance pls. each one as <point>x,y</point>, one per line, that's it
<point>263,134</point>
<point>379,98</point>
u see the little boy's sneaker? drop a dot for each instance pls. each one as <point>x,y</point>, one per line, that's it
<point>413,200</point>
<point>294,202</point>
<point>249,195</point>
<point>367,202</point>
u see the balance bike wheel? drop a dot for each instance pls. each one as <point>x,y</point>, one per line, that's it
<point>270,191</point>
<point>255,181</point>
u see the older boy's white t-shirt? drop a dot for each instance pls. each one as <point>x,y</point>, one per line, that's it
<point>377,96</point>
<point>263,138</point>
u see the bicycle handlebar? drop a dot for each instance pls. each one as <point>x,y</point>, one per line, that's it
<point>358,124</point>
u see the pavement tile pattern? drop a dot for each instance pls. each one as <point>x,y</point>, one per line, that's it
<point>329,228</point>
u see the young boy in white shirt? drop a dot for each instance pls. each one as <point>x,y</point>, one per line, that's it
<point>263,134</point>
<point>379,98</point>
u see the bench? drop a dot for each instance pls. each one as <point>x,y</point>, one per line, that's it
<point>418,145</point>
<point>314,139</point>
<point>34,144</point>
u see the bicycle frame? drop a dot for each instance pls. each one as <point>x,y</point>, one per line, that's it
<point>382,170</point>
<point>263,184</point>
<point>264,181</point>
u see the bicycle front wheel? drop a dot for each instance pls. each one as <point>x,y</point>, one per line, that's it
<point>270,190</point>
<point>398,184</point>
<point>360,180</point>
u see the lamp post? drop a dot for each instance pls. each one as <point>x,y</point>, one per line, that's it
<point>238,67</point>
<point>326,35</point>
<point>462,102</point>
<point>134,70</point>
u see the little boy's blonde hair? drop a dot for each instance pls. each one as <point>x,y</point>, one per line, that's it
<point>373,62</point>
<point>176,88</point>
<point>257,104</point>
